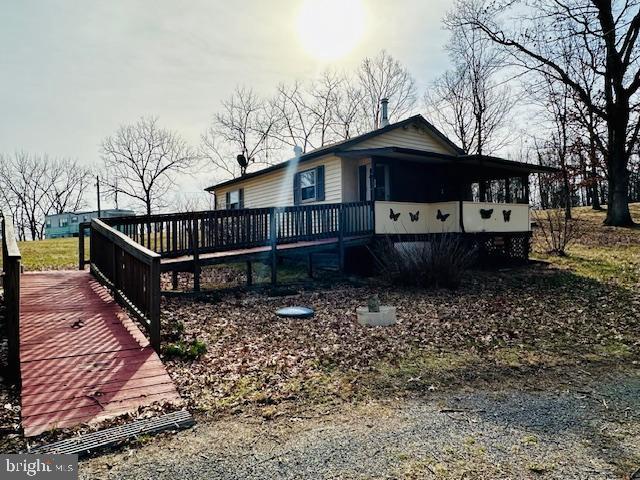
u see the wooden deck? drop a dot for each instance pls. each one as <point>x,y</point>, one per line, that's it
<point>263,252</point>
<point>82,359</point>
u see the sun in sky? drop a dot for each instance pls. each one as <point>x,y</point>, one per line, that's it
<point>330,29</point>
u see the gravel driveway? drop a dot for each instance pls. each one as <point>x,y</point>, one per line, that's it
<point>585,429</point>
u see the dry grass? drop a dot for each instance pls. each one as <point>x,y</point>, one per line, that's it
<point>606,254</point>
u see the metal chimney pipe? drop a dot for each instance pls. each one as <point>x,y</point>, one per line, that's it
<point>384,119</point>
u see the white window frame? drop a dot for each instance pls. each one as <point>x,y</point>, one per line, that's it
<point>314,186</point>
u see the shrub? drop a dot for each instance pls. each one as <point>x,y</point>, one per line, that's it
<point>438,262</point>
<point>555,231</point>
<point>186,350</point>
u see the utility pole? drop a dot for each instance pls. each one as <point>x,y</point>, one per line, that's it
<point>98,192</point>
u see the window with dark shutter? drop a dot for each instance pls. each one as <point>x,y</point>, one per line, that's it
<point>233,199</point>
<point>308,185</point>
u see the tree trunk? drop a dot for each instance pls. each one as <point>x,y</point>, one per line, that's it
<point>595,196</point>
<point>618,214</point>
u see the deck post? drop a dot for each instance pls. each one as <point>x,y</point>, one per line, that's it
<point>341,226</point>
<point>249,274</point>
<point>310,265</point>
<point>196,256</point>
<point>273,239</point>
<point>81,246</point>
<point>154,303</point>
<point>174,279</point>
<point>11,260</point>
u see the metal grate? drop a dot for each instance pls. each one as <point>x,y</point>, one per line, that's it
<point>87,443</point>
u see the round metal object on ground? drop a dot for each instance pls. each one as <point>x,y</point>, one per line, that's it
<point>295,312</point>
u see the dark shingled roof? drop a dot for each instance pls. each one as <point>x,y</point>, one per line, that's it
<point>340,149</point>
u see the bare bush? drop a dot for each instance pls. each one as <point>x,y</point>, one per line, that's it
<point>439,262</point>
<point>555,230</point>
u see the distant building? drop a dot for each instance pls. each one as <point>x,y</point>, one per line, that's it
<point>66,224</point>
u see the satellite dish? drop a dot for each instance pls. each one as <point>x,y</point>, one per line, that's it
<point>242,161</point>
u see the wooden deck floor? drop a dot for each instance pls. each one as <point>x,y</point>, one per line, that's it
<point>82,359</point>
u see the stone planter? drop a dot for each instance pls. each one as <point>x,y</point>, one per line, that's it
<point>385,317</point>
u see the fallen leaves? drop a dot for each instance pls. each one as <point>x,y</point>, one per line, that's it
<point>519,318</point>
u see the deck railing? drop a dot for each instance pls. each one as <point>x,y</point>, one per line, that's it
<point>11,259</point>
<point>131,272</point>
<point>177,234</point>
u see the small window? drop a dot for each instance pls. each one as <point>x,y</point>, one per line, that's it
<point>308,185</point>
<point>48,223</point>
<point>63,222</point>
<point>74,219</point>
<point>234,200</point>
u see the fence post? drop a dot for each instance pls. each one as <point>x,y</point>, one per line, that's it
<point>341,227</point>
<point>273,238</point>
<point>154,303</point>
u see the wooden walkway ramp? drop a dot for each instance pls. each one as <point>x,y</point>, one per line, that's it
<point>82,359</point>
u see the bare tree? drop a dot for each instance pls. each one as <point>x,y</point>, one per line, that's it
<point>25,183</point>
<point>535,36</point>
<point>142,160</point>
<point>69,182</point>
<point>349,118</point>
<point>243,128</point>
<point>385,77</point>
<point>296,125</point>
<point>467,101</point>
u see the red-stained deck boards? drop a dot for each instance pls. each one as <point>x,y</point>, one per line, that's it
<point>82,359</point>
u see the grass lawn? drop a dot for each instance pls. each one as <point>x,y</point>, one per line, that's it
<point>52,254</point>
<point>605,254</point>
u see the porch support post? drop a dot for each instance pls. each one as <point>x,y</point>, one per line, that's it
<point>310,265</point>
<point>507,190</point>
<point>372,179</point>
<point>483,190</point>
<point>174,279</point>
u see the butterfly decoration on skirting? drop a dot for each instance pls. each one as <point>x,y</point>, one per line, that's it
<point>486,213</point>
<point>414,216</point>
<point>507,215</point>
<point>442,216</point>
<point>394,216</point>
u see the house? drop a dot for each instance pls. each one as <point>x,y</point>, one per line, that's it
<point>415,179</point>
<point>66,224</point>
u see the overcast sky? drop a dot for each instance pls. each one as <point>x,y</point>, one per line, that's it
<point>72,71</point>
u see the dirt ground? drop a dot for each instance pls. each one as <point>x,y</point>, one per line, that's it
<point>582,426</point>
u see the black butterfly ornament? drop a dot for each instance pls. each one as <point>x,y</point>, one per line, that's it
<point>393,216</point>
<point>486,213</point>
<point>442,217</point>
<point>507,215</point>
<point>414,216</point>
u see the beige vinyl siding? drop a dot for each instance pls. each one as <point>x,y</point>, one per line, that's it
<point>350,180</point>
<point>409,136</point>
<point>270,190</point>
